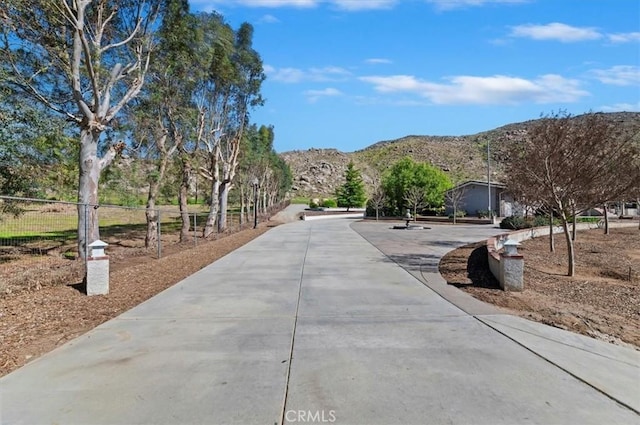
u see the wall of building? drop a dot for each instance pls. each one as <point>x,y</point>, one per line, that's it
<point>476,199</point>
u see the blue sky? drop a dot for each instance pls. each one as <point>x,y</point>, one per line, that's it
<point>348,73</point>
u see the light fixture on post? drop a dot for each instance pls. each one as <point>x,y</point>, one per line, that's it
<point>255,202</point>
<point>511,248</point>
<point>489,178</point>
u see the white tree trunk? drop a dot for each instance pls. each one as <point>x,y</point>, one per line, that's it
<point>183,197</point>
<point>223,204</point>
<point>210,224</point>
<point>90,169</point>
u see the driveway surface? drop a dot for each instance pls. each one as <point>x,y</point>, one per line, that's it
<point>327,321</point>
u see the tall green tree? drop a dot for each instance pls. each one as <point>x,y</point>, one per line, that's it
<point>406,174</point>
<point>38,156</point>
<point>85,60</point>
<point>259,160</point>
<point>164,119</point>
<point>245,95</point>
<point>351,194</point>
<point>224,97</point>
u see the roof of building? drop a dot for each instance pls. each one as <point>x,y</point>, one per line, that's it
<point>479,183</point>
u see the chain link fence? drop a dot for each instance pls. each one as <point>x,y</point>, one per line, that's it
<point>39,238</point>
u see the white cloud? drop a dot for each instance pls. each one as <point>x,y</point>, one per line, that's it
<point>555,31</point>
<point>624,37</point>
<point>349,5</point>
<point>285,75</point>
<point>457,4</point>
<point>497,89</point>
<point>269,19</point>
<point>328,73</point>
<point>314,95</point>
<point>621,107</point>
<point>375,61</point>
<point>296,75</point>
<point>620,75</point>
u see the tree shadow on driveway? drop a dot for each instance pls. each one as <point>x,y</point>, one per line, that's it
<point>415,262</point>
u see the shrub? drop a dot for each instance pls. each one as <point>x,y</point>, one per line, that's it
<point>515,223</point>
<point>482,213</point>
<point>589,219</point>
<point>313,204</point>
<point>543,220</point>
<point>329,203</point>
<point>459,214</point>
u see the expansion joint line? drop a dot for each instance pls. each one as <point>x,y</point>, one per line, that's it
<point>564,369</point>
<point>293,333</point>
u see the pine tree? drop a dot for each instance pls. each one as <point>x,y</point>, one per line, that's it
<point>351,193</point>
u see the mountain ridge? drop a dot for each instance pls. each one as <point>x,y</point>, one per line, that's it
<point>318,172</point>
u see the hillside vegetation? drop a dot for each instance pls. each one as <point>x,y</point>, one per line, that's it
<point>317,172</point>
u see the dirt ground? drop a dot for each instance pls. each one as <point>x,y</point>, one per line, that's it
<point>47,313</point>
<point>602,300</point>
<point>598,302</point>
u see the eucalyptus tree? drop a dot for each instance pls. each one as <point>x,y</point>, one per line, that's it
<point>245,94</point>
<point>253,165</point>
<point>85,60</point>
<point>240,76</point>
<point>37,156</point>
<point>259,162</point>
<point>211,99</point>
<point>165,118</point>
<point>230,87</point>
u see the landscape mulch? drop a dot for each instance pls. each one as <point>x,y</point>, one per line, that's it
<point>602,300</point>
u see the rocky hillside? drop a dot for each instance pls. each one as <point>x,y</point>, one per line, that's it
<point>317,172</point>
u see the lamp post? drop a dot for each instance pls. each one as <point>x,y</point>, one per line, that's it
<point>255,203</point>
<point>489,178</point>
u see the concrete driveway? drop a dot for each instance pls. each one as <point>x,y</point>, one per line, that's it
<point>312,323</point>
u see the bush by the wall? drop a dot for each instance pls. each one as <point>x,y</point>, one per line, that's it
<point>459,214</point>
<point>543,220</point>
<point>589,219</point>
<point>516,223</point>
